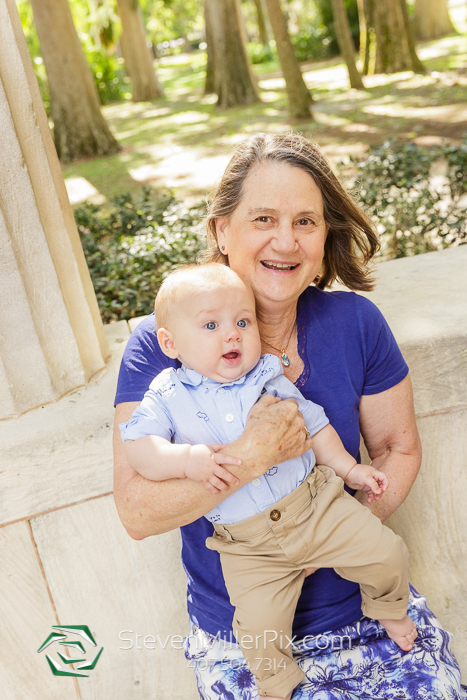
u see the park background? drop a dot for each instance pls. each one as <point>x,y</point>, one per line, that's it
<point>145,101</point>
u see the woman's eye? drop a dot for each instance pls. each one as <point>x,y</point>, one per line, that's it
<point>210,326</point>
<point>243,323</point>
<point>306,222</point>
<point>263,219</point>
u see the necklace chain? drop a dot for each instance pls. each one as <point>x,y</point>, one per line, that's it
<point>285,358</point>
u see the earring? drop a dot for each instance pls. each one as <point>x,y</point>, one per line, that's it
<point>222,247</point>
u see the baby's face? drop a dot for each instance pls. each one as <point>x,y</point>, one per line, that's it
<point>215,332</point>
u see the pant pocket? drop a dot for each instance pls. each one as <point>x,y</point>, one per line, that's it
<point>330,477</point>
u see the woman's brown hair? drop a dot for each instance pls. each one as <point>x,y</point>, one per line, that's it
<point>351,241</point>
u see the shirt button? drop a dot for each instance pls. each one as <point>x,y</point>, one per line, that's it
<point>222,390</point>
<point>203,379</point>
<point>256,482</point>
<point>229,417</point>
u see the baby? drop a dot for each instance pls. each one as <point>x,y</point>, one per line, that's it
<point>297,515</point>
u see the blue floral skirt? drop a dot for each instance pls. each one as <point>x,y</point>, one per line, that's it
<point>356,662</point>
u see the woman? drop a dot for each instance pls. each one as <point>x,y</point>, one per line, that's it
<point>282,221</point>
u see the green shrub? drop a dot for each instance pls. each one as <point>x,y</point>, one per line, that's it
<point>259,53</point>
<point>311,43</point>
<point>132,244</point>
<point>394,187</point>
<point>109,76</point>
<point>456,157</point>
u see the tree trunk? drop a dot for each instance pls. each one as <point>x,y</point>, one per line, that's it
<point>79,127</point>
<point>234,81</point>
<point>262,28</point>
<point>417,65</point>
<point>365,25</point>
<point>210,31</point>
<point>138,61</point>
<point>392,46</point>
<point>432,19</point>
<point>346,45</point>
<point>297,92</point>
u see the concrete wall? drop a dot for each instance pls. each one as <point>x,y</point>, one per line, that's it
<point>424,300</point>
<point>51,334</point>
<point>66,558</point>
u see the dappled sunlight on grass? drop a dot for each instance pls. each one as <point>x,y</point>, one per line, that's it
<point>184,141</point>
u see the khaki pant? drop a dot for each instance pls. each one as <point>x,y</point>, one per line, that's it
<point>264,560</point>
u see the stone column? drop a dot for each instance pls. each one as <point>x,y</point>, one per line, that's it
<point>51,334</point>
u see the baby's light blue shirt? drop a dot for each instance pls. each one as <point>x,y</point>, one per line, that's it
<point>183,406</point>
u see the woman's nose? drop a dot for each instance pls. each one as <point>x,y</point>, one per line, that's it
<point>284,240</point>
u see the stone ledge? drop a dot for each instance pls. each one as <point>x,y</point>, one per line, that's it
<point>62,453</point>
<point>423,298</point>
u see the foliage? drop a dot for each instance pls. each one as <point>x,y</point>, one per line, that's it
<point>109,75</point>
<point>311,42</point>
<point>412,215</point>
<point>456,157</point>
<point>132,244</point>
<point>327,21</point>
<point>259,53</point>
<point>169,21</point>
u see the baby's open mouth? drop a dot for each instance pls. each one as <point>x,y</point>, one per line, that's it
<point>278,266</point>
<point>233,357</point>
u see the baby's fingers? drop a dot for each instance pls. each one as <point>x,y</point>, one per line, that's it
<point>216,446</point>
<point>226,459</point>
<point>212,489</point>
<point>373,485</point>
<point>218,484</point>
<point>225,475</point>
<point>382,480</point>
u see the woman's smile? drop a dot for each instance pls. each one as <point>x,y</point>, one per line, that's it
<point>277,266</point>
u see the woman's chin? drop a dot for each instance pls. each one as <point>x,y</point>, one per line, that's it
<point>279,287</point>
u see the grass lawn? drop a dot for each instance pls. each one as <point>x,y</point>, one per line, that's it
<point>183,141</point>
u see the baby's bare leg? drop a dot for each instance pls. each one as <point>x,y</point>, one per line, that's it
<point>274,697</point>
<point>403,632</point>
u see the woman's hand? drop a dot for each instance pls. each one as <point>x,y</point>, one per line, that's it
<point>274,433</point>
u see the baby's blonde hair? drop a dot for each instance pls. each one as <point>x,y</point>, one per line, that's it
<point>184,281</point>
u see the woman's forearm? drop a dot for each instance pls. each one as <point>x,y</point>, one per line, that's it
<point>389,429</point>
<point>153,507</point>
<point>273,434</point>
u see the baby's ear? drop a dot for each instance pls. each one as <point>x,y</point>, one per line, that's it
<point>166,343</point>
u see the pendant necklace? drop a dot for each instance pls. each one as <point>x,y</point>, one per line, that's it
<point>285,358</point>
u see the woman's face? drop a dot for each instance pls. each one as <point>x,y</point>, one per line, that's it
<point>275,237</point>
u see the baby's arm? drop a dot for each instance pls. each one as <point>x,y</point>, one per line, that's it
<point>329,450</point>
<point>158,459</point>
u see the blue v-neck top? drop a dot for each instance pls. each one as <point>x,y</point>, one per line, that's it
<point>348,351</point>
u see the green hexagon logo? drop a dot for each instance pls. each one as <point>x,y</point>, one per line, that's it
<point>75,647</point>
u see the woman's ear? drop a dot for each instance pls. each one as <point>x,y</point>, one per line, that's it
<point>166,343</point>
<point>221,225</point>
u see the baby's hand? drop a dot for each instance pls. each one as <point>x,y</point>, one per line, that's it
<point>204,465</point>
<point>364,477</point>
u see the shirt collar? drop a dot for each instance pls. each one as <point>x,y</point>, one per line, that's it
<point>194,378</point>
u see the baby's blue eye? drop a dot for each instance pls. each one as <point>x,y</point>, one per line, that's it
<point>210,326</point>
<point>242,324</point>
